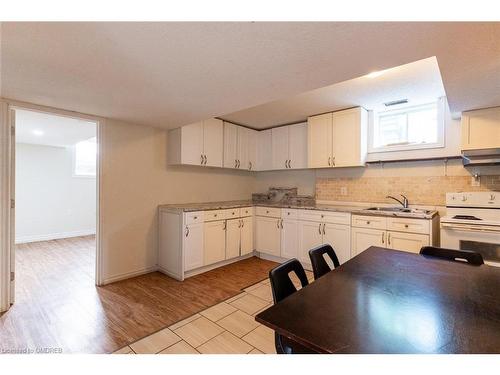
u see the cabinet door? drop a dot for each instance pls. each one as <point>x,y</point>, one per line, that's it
<point>280,147</point>
<point>310,236</point>
<point>264,150</point>
<point>214,242</point>
<point>339,237</point>
<point>246,235</point>
<point>289,238</point>
<point>346,138</point>
<point>319,141</point>
<point>252,149</point>
<point>410,242</point>
<point>230,145</point>
<point>243,147</point>
<point>362,239</point>
<point>297,146</point>
<point>212,142</point>
<point>192,144</point>
<point>193,246</point>
<point>268,235</point>
<point>481,129</point>
<point>233,238</point>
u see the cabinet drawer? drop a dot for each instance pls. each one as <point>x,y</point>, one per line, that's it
<point>325,216</point>
<point>246,211</point>
<point>289,213</point>
<point>374,222</point>
<point>194,217</point>
<point>213,215</point>
<point>401,224</point>
<point>268,211</point>
<point>231,213</point>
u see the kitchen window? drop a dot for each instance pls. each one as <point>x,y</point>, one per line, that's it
<point>409,128</point>
<point>85,157</point>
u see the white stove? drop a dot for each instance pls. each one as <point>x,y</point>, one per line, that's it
<point>472,222</point>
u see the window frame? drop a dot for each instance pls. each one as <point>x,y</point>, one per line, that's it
<point>73,166</point>
<point>440,143</point>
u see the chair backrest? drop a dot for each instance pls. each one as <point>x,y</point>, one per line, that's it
<point>449,254</point>
<point>281,284</point>
<point>318,262</point>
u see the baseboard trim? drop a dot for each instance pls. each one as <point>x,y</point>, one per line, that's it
<point>54,236</point>
<point>128,275</point>
<point>274,258</point>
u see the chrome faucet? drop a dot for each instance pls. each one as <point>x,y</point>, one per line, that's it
<point>403,203</point>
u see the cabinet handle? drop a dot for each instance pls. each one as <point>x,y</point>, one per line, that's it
<point>388,238</point>
<point>238,163</point>
<point>235,163</point>
<point>187,231</point>
<point>367,223</point>
<point>333,161</point>
<point>290,163</point>
<point>278,224</point>
<point>319,228</point>
<point>383,237</point>
<point>201,156</point>
<point>206,159</point>
<point>250,165</point>
<point>324,228</point>
<point>225,225</point>
<point>406,225</point>
<point>329,161</point>
<point>281,223</point>
<point>242,223</point>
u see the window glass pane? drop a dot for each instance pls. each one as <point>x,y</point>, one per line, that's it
<point>85,157</point>
<point>413,125</point>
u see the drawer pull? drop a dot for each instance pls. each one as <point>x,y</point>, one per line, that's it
<point>267,212</point>
<point>368,223</point>
<point>406,225</point>
<point>322,216</point>
<point>215,215</point>
<point>196,217</point>
<point>288,213</point>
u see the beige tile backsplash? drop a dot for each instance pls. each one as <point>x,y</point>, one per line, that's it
<point>422,190</point>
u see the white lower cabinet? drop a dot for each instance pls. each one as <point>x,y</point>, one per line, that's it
<point>406,234</point>
<point>289,238</point>
<point>193,246</point>
<point>310,236</point>
<point>214,242</point>
<point>338,237</point>
<point>411,242</point>
<point>268,235</point>
<point>363,238</point>
<point>246,233</point>
<point>233,238</point>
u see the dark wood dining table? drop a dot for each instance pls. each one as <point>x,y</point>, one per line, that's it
<point>388,301</point>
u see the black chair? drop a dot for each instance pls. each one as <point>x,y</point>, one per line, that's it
<point>282,287</point>
<point>470,257</point>
<point>318,262</point>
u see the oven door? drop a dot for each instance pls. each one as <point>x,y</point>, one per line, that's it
<point>484,239</point>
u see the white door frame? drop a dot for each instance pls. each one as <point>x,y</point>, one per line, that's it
<point>6,193</point>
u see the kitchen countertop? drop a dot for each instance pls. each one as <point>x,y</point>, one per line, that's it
<point>190,207</point>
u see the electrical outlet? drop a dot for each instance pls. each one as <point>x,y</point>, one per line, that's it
<point>343,190</point>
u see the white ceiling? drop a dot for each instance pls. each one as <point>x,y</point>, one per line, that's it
<point>419,82</point>
<point>170,74</point>
<point>50,130</point>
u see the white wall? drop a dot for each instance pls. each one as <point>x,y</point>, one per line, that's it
<point>50,202</point>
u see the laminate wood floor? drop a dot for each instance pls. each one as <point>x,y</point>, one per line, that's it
<point>58,305</point>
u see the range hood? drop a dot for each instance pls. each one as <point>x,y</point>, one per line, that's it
<point>487,156</point>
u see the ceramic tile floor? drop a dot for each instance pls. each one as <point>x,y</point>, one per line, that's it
<point>226,328</point>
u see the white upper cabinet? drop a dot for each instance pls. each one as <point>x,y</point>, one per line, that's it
<point>289,146</point>
<point>240,147</point>
<point>230,145</point>
<point>280,147</point>
<point>320,140</point>
<point>481,129</point>
<point>264,150</point>
<point>197,144</point>
<point>212,142</point>
<point>338,139</point>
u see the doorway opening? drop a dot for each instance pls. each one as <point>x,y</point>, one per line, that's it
<point>55,214</point>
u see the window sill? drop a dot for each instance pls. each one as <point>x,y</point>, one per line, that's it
<point>405,148</point>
